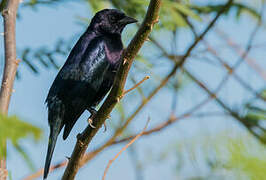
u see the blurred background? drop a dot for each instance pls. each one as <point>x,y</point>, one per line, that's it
<point>207,122</point>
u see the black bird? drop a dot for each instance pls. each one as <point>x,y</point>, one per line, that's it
<point>87,75</point>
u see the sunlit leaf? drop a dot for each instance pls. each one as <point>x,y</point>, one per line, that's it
<point>14,129</point>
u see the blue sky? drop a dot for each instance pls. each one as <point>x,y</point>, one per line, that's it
<point>44,26</point>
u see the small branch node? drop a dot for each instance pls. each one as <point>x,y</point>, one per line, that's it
<point>5,83</point>
<point>156,20</point>
<point>125,61</point>
<point>148,39</point>
<point>80,143</point>
<point>230,70</point>
<point>120,97</point>
<point>172,118</point>
<point>3,173</point>
<point>5,12</point>
<point>213,96</point>
<point>17,62</point>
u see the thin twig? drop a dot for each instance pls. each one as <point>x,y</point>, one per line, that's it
<point>40,172</point>
<point>230,71</point>
<point>244,53</point>
<point>123,149</point>
<point>172,119</point>
<point>242,57</point>
<point>225,107</point>
<point>136,85</point>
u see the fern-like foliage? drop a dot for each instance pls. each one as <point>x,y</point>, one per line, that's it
<point>13,129</point>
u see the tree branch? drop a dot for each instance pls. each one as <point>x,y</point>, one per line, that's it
<point>233,113</point>
<point>9,12</point>
<point>240,51</point>
<point>127,58</point>
<point>231,71</point>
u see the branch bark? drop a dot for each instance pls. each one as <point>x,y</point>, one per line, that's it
<point>9,12</point>
<point>116,93</point>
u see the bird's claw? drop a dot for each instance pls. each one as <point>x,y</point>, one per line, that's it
<point>105,127</point>
<point>90,121</point>
<point>68,158</point>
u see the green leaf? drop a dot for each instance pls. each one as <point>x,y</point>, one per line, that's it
<point>14,129</point>
<point>186,11</point>
<point>144,61</point>
<point>239,8</point>
<point>263,93</point>
<point>97,5</point>
<point>247,159</point>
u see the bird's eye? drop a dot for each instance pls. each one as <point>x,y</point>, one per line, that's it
<point>112,18</point>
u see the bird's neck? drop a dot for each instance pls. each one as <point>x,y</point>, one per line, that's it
<point>114,41</point>
<point>114,47</point>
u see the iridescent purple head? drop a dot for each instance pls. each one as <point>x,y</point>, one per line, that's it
<point>110,21</point>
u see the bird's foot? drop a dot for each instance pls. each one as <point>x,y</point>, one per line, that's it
<point>93,114</point>
<point>105,127</point>
<point>68,158</point>
<point>92,111</point>
<point>90,121</point>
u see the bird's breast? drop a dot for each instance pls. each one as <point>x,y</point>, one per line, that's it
<point>113,56</point>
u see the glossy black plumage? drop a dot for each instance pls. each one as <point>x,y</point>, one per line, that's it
<point>87,75</point>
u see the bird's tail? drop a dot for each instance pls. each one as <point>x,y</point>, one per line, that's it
<point>51,145</point>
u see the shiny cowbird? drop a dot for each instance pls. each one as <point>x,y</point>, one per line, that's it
<point>87,75</point>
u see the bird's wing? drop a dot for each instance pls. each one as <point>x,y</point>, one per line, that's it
<point>105,87</point>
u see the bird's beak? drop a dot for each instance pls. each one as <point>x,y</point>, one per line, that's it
<point>127,20</point>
